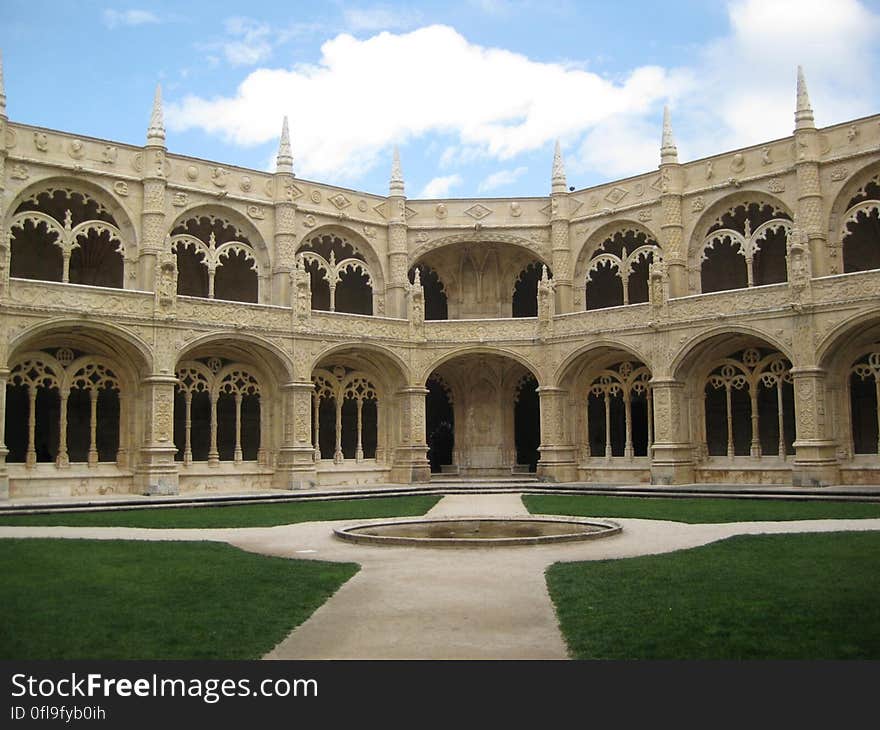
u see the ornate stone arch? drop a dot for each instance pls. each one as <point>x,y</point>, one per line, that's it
<point>99,213</point>
<point>685,359</point>
<point>348,387</point>
<point>646,247</point>
<point>386,362</point>
<point>482,350</point>
<point>268,357</point>
<point>864,326</point>
<point>712,218</point>
<point>540,251</point>
<point>239,237</point>
<point>851,205</point>
<point>364,260</point>
<point>107,340</point>
<point>576,363</point>
<point>81,382</point>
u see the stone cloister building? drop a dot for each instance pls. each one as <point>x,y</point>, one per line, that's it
<point>172,324</point>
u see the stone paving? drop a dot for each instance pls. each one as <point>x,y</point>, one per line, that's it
<point>442,603</point>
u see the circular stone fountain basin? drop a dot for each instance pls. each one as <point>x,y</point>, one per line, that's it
<point>479,531</point>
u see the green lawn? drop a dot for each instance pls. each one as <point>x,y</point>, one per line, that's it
<point>697,510</point>
<point>243,515</point>
<point>96,599</point>
<point>750,597</point>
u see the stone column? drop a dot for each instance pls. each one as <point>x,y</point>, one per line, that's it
<point>157,471</point>
<point>398,257</point>
<point>153,225</point>
<point>671,225</point>
<point>398,252</point>
<point>411,452</point>
<point>296,457</point>
<point>815,460</point>
<point>558,462</point>
<point>560,217</point>
<point>4,472</point>
<point>285,221</point>
<point>285,247</point>
<point>672,460</point>
<point>808,216</point>
<point>3,122</point>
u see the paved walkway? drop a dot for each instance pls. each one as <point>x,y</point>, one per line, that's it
<point>436,603</point>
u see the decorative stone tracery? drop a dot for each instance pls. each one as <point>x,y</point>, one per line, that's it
<point>617,272</point>
<point>207,390</point>
<point>617,386</point>
<point>62,234</point>
<point>209,248</point>
<point>755,374</point>
<point>744,247</point>
<point>336,264</point>
<point>66,396</point>
<point>335,388</point>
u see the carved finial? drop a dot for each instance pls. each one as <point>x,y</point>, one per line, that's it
<point>668,150</point>
<point>803,115</point>
<point>395,186</point>
<point>557,180</point>
<point>284,160</point>
<point>2,89</point>
<point>156,131</point>
<point>544,276</point>
<point>417,279</point>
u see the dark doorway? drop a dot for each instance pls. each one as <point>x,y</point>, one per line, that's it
<point>527,423</point>
<point>439,425</point>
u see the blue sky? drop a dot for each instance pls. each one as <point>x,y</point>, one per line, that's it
<point>474,92</point>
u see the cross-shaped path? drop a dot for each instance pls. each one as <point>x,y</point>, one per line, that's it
<point>443,603</point>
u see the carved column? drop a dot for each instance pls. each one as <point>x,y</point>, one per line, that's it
<point>153,224</point>
<point>558,462</point>
<point>561,251</point>
<point>395,305</point>
<point>672,229</point>
<point>296,457</point>
<point>411,452</point>
<point>4,244</point>
<point>672,459</point>
<point>62,460</point>
<point>237,455</point>
<point>93,427</point>
<point>213,452</point>
<point>153,180</point>
<point>3,152</point>
<point>4,472</point>
<point>157,471</point>
<point>815,460</point>
<point>285,238</point>
<point>187,447</point>
<point>808,216</point>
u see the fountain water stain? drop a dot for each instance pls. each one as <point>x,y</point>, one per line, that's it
<point>478,531</point>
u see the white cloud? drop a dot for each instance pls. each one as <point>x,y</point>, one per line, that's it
<point>439,187</point>
<point>490,104</point>
<point>115,18</point>
<point>248,42</point>
<point>251,44</point>
<point>380,17</point>
<point>499,102</point>
<point>501,178</point>
<point>747,78</point>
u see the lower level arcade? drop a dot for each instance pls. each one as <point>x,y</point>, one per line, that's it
<point>82,414</point>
